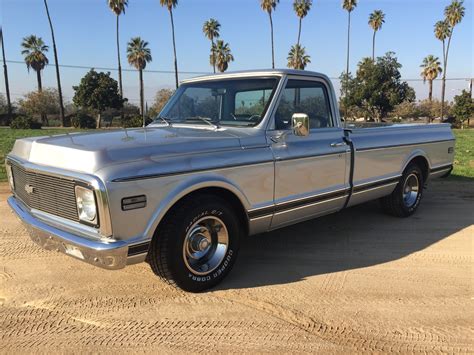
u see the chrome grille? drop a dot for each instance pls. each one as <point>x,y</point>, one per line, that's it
<point>45,193</point>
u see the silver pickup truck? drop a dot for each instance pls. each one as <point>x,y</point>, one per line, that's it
<point>230,155</point>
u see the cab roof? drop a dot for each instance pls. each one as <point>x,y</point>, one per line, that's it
<point>256,73</point>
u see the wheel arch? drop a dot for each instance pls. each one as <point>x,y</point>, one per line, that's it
<point>420,158</point>
<point>215,185</point>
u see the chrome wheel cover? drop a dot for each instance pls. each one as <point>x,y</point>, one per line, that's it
<point>205,245</point>
<point>411,190</point>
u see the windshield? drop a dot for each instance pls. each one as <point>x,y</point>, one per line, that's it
<point>236,102</point>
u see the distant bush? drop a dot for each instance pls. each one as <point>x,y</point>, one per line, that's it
<point>24,122</point>
<point>40,104</point>
<point>463,108</point>
<point>161,98</point>
<point>4,119</point>
<point>82,120</point>
<point>134,121</point>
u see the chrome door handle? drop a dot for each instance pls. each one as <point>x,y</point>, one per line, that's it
<point>338,144</point>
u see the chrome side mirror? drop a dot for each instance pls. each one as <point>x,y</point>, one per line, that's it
<point>300,124</point>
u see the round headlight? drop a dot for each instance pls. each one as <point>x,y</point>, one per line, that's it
<point>86,206</point>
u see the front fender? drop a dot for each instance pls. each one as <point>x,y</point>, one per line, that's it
<point>186,186</point>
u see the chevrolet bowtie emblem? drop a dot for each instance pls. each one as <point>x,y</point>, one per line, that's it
<point>29,189</point>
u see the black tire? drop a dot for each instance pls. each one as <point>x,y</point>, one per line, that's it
<point>395,203</point>
<point>166,255</point>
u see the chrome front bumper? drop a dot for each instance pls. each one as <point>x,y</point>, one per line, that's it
<point>102,253</point>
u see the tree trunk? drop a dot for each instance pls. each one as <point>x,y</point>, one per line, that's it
<point>443,87</point>
<point>58,77</point>
<point>38,77</point>
<point>119,65</point>
<point>174,50</point>
<point>99,119</point>
<point>470,95</point>
<point>430,94</point>
<point>348,41</point>
<point>443,82</point>
<point>5,73</point>
<point>443,90</point>
<point>299,33</point>
<point>373,46</point>
<point>271,34</point>
<point>142,110</point>
<point>44,118</point>
<point>347,61</point>
<point>213,55</point>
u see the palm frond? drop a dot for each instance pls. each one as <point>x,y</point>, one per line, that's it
<point>297,57</point>
<point>454,12</point>
<point>302,7</point>
<point>117,6</point>
<point>349,5</point>
<point>269,5</point>
<point>169,4</point>
<point>376,20</point>
<point>34,50</point>
<point>138,53</point>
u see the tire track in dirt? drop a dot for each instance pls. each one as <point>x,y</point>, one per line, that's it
<point>370,339</point>
<point>36,327</point>
<point>351,283</point>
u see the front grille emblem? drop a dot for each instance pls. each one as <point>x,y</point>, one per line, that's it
<point>29,189</point>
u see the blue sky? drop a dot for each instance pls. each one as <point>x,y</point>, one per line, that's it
<point>85,35</point>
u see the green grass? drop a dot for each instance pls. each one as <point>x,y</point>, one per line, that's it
<point>464,158</point>
<point>463,162</point>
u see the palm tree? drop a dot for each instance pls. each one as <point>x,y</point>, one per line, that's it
<point>170,5</point>
<point>431,67</point>
<point>376,20</point>
<point>222,54</point>
<point>454,14</point>
<point>269,6</point>
<point>118,8</point>
<point>211,30</point>
<point>138,55</point>
<point>58,77</point>
<point>5,74</point>
<point>349,6</point>
<point>301,8</point>
<point>34,51</point>
<point>297,57</point>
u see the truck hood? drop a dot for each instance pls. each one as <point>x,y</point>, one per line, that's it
<point>89,152</point>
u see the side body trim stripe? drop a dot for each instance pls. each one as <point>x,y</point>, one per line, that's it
<point>441,168</point>
<point>402,145</point>
<point>267,211</point>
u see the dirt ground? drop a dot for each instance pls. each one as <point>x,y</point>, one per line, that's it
<point>350,282</point>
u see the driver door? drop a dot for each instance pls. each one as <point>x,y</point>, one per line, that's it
<point>311,174</point>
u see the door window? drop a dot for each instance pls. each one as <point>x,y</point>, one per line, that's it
<point>251,103</point>
<point>304,96</point>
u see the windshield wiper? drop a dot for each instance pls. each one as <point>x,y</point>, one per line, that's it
<point>207,120</point>
<point>165,120</point>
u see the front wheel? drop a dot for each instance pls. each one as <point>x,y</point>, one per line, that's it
<point>197,243</point>
<point>406,197</point>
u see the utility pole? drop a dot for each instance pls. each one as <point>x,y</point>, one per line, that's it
<point>470,92</point>
<point>5,73</point>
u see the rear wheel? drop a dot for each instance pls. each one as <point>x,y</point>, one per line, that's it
<point>197,243</point>
<point>406,197</point>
